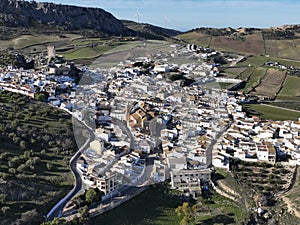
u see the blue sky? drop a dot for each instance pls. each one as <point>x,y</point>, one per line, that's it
<point>187,14</point>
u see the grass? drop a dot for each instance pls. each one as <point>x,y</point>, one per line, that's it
<point>154,207</point>
<point>87,52</point>
<point>218,85</point>
<point>25,41</point>
<point>150,207</point>
<point>271,113</point>
<point>246,74</point>
<point>255,78</point>
<point>291,88</point>
<point>287,105</point>
<point>126,47</point>
<point>271,83</point>
<point>235,71</point>
<point>219,210</point>
<point>255,60</point>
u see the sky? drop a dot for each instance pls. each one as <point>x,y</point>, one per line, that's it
<point>188,14</point>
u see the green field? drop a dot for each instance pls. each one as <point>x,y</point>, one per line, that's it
<point>255,60</point>
<point>218,85</point>
<point>255,78</point>
<point>271,113</point>
<point>150,207</point>
<point>235,72</point>
<point>244,75</point>
<point>154,207</point>
<point>25,41</point>
<point>87,52</point>
<point>287,104</point>
<point>291,89</point>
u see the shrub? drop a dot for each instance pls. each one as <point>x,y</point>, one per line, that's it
<point>5,209</point>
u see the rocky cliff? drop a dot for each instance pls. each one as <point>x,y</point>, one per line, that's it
<point>16,13</point>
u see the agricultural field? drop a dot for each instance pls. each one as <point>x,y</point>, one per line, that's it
<point>282,49</point>
<point>87,52</point>
<point>269,112</point>
<point>196,38</point>
<point>271,83</point>
<point>291,89</point>
<point>250,44</point>
<point>255,61</point>
<point>37,143</point>
<point>137,49</point>
<point>255,78</point>
<point>235,72</point>
<point>218,85</point>
<point>246,74</point>
<point>26,41</point>
<point>287,104</point>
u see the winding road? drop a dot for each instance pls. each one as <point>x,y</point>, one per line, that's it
<point>56,211</point>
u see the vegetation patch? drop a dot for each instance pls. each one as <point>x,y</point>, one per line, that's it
<point>235,71</point>
<point>287,105</point>
<point>87,52</point>
<point>291,89</point>
<point>270,113</point>
<point>255,78</point>
<point>37,143</point>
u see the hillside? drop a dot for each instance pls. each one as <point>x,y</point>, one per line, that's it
<point>24,17</point>
<point>150,31</point>
<point>37,143</point>
<point>283,42</point>
<point>24,14</point>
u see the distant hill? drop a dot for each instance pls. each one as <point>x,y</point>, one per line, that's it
<point>150,31</point>
<point>281,41</point>
<point>25,14</point>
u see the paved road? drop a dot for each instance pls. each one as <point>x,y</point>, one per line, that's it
<point>56,211</point>
<point>125,191</point>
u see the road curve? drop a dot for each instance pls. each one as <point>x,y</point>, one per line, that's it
<point>56,211</point>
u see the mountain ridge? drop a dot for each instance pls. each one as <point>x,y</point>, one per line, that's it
<point>45,15</point>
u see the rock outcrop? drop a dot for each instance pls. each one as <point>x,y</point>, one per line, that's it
<point>16,13</point>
